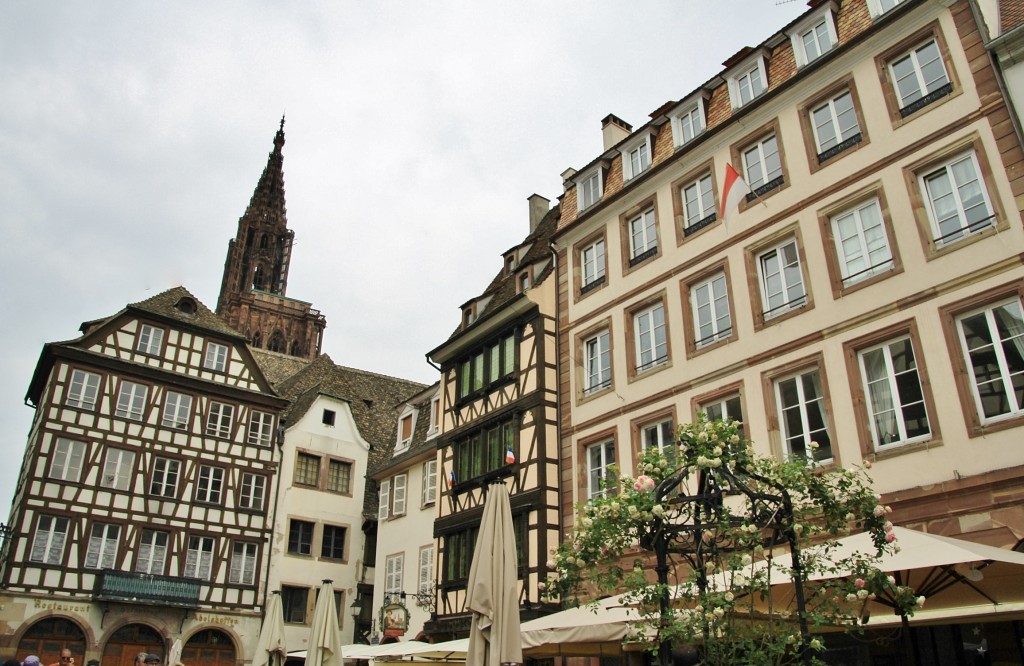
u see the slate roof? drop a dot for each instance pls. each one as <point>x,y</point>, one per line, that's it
<point>419,442</point>
<point>375,400</point>
<point>163,305</point>
<point>503,287</point>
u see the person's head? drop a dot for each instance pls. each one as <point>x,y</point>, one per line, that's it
<point>152,660</point>
<point>140,658</point>
<point>65,657</point>
<point>30,660</point>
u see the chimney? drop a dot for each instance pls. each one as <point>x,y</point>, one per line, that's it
<point>539,207</point>
<point>614,129</point>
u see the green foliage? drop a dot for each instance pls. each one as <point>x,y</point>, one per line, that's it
<point>723,519</point>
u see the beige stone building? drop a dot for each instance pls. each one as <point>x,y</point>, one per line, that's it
<point>866,296</point>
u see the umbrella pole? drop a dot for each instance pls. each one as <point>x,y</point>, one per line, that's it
<point>910,645</point>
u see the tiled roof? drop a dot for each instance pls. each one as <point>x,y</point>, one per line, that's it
<point>163,305</point>
<point>419,442</point>
<point>278,367</point>
<point>503,287</point>
<point>1011,14</point>
<point>375,400</point>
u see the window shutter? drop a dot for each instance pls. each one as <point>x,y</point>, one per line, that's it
<point>399,500</point>
<point>383,499</point>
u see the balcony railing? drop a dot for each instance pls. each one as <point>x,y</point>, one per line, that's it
<point>146,588</point>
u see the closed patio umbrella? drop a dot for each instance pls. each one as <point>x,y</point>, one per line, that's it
<point>493,595</point>
<point>270,649</point>
<point>324,646</point>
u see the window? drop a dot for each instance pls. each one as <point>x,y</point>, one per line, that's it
<point>816,40</point>
<point>218,424</point>
<point>458,553</point>
<point>802,417</point>
<point>393,574</point>
<point>815,35</point>
<point>659,436</point>
<point>333,543</point>
<point>165,477</point>
<point>117,469</point>
<point>306,469</point>
<point>643,237</point>
<point>428,495</point>
<point>688,123</point>
<point>261,428</point>
<point>252,491</point>
<point>426,571</point>
<point>589,189</point>
<point>494,362</point>
<point>879,7</point>
<point>48,540</point>
<point>199,558</point>
<point>300,537</point>
<point>177,410</point>
<point>216,357</point>
<point>597,368</point>
<point>398,494</point>
<point>66,464</point>
<point>131,400</point>
<point>728,406</point>
<point>894,396</point>
<point>152,552</point>
<point>993,345</point>
<point>861,242</point>
<point>599,457</point>
<point>151,340</point>
<point>698,204</point>
<point>762,167</point>
<point>484,451</point>
<point>243,564</point>
<point>650,338</point>
<point>209,483</point>
<point>83,389</point>
<point>103,542</point>
<point>405,427</point>
<point>294,602</point>
<point>328,417</point>
<point>339,477</point>
<point>919,77</point>
<point>956,199</point>
<point>592,265</point>
<point>748,81</point>
<point>781,279</point>
<point>636,156</point>
<point>435,416</point>
<point>835,126</point>
<point>712,320</point>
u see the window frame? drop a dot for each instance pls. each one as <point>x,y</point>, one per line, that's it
<point>835,263</point>
<point>639,426</point>
<point>428,480</point>
<point>212,354</point>
<point>119,472</point>
<point>604,445</point>
<point>582,180</point>
<point>175,486</point>
<point>823,14</point>
<point>80,399</point>
<point>425,578</point>
<point>219,414</point>
<point>586,390</point>
<point>57,525</point>
<point>192,566</point>
<point>480,453</point>
<point>132,400</point>
<point>252,492</point>
<point>106,538</point>
<point>172,420</point>
<point>296,544</point>
<point>737,151</point>
<point>332,529</point>
<point>722,395</point>
<point>243,575</point>
<point>634,351</point>
<point>817,158</point>
<point>754,256</point>
<point>294,600</point>
<point>209,484</point>
<point>394,570</point>
<point>342,464</point>
<point>639,143</point>
<point>694,106</point>
<point>473,371</point>
<point>947,167</point>
<point>144,340</point>
<point>262,434</point>
<point>898,112</point>
<point>876,10</point>
<point>734,78</point>
<point>76,449</point>
<point>152,546</point>
<point>302,455</point>
<point>778,434</point>
<point>402,442</point>
<point>644,221</point>
<point>691,322</point>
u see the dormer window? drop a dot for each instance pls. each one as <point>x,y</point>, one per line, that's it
<point>878,7</point>
<point>435,416</point>
<point>589,187</point>
<point>815,35</point>
<point>636,155</point>
<point>186,306</point>
<point>689,118</point>
<point>467,315</point>
<point>406,424</point>
<point>524,281</point>
<point>748,80</point>
<point>510,264</point>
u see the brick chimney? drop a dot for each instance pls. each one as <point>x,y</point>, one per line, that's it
<point>539,207</point>
<point>614,129</point>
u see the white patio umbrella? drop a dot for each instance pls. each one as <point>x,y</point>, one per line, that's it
<point>492,590</point>
<point>270,649</point>
<point>174,656</point>
<point>591,630</point>
<point>324,646</point>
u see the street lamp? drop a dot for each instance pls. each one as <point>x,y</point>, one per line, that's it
<point>355,609</point>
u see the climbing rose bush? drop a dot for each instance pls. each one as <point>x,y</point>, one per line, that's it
<point>724,520</point>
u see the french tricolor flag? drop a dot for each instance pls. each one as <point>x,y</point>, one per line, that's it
<point>451,478</point>
<point>509,456</point>
<point>733,192</point>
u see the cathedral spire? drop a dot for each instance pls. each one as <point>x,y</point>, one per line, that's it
<point>268,198</point>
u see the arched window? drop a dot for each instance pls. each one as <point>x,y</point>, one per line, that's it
<point>48,637</point>
<point>257,340</point>
<point>210,647</point>
<point>295,349</point>
<point>263,242</point>
<point>257,279</point>
<point>276,342</point>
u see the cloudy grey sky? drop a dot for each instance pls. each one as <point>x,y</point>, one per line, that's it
<point>132,133</point>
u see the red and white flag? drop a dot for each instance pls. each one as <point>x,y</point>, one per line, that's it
<point>732,192</point>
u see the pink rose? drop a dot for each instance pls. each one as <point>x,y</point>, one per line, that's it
<point>889,537</point>
<point>879,511</point>
<point>859,582</point>
<point>644,484</point>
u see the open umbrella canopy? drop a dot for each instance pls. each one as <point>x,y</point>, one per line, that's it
<point>578,631</point>
<point>493,595</point>
<point>270,649</point>
<point>324,647</point>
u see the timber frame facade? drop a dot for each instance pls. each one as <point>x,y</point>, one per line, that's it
<point>142,513</point>
<point>499,424</point>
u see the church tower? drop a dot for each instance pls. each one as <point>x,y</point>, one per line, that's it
<point>252,292</point>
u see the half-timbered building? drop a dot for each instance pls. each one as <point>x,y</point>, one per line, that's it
<point>498,421</point>
<point>142,510</point>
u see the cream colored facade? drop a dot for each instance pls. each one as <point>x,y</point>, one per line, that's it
<point>801,342</point>
<point>313,512</point>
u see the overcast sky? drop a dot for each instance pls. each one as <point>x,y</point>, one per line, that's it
<point>132,134</point>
